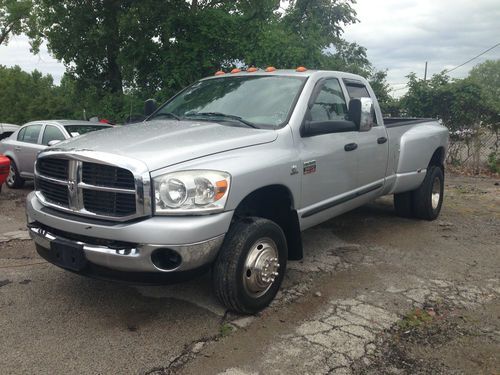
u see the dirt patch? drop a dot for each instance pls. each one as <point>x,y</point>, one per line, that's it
<point>439,340</point>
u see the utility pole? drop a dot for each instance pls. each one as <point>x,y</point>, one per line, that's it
<point>425,73</point>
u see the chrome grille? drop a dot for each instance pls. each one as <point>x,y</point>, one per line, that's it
<point>91,189</point>
<point>54,193</point>
<point>108,203</point>
<point>55,168</point>
<point>105,175</point>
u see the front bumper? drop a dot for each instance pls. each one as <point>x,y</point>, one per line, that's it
<point>128,246</point>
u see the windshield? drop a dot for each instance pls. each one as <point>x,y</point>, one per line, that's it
<point>76,130</point>
<point>265,101</point>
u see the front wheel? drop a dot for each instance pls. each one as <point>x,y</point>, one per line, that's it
<point>14,180</point>
<point>251,265</point>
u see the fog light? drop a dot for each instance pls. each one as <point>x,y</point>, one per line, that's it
<point>166,259</point>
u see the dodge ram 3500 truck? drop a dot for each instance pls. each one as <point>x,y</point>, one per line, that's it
<point>226,175</point>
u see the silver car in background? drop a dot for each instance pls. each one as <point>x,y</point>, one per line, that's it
<point>24,144</point>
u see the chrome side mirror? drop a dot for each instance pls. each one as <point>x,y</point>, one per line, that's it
<point>53,142</point>
<point>362,113</point>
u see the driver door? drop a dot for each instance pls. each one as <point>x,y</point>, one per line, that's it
<point>329,169</point>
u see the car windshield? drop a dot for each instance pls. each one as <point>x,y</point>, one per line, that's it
<point>76,130</point>
<point>257,101</point>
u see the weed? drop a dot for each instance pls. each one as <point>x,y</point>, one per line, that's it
<point>414,319</point>
<point>226,329</point>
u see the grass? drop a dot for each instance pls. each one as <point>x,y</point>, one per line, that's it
<point>226,329</point>
<point>414,319</point>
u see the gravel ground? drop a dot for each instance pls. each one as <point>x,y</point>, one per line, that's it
<point>375,294</point>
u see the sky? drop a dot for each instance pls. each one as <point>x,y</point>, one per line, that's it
<point>400,36</point>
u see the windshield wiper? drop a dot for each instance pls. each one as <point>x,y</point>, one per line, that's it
<point>222,116</point>
<point>167,114</point>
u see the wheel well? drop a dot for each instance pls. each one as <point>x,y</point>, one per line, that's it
<point>275,202</point>
<point>438,157</point>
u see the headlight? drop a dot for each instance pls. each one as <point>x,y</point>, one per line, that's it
<point>191,192</point>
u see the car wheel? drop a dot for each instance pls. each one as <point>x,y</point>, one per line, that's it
<point>403,204</point>
<point>428,198</point>
<point>14,180</point>
<point>250,265</point>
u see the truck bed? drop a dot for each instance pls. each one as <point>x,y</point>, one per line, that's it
<point>393,122</point>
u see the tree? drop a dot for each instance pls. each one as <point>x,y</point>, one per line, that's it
<point>13,17</point>
<point>487,76</point>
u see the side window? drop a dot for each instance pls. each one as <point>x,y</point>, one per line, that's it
<point>357,89</point>
<point>51,133</point>
<point>20,135</point>
<point>330,103</point>
<point>31,134</point>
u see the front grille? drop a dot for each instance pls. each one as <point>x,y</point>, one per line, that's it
<point>106,175</point>
<point>109,203</point>
<point>106,191</point>
<point>55,168</point>
<point>54,193</point>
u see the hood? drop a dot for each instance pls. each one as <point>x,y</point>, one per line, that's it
<point>161,143</point>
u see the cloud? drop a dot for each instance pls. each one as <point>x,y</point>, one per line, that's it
<point>17,52</point>
<point>401,35</point>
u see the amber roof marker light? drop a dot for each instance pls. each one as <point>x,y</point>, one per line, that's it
<point>252,69</point>
<point>270,69</point>
<point>301,69</point>
<point>220,73</point>
<point>235,70</point>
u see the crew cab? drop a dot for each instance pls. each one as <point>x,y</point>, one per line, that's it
<point>226,175</point>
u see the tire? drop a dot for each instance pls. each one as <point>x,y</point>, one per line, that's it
<point>238,274</point>
<point>426,201</point>
<point>14,180</point>
<point>403,204</point>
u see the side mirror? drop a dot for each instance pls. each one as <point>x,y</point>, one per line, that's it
<point>361,113</point>
<point>53,142</point>
<point>150,106</point>
<point>312,128</point>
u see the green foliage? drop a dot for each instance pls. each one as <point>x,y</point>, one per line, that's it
<point>415,319</point>
<point>493,162</point>
<point>13,17</point>
<point>119,52</point>
<point>459,103</point>
<point>487,76</point>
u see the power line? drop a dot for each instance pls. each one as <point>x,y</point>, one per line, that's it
<point>475,57</point>
<point>456,67</point>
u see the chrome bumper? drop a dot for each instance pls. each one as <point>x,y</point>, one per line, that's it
<point>196,239</point>
<point>136,259</point>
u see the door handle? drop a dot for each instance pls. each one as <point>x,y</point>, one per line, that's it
<point>17,148</point>
<point>381,140</point>
<point>351,146</point>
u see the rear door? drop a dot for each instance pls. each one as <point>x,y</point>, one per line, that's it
<point>373,145</point>
<point>27,148</point>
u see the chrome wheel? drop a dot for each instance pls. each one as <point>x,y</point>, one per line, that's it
<point>11,178</point>
<point>261,267</point>
<point>436,193</point>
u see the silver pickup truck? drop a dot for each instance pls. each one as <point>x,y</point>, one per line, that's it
<point>226,175</point>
